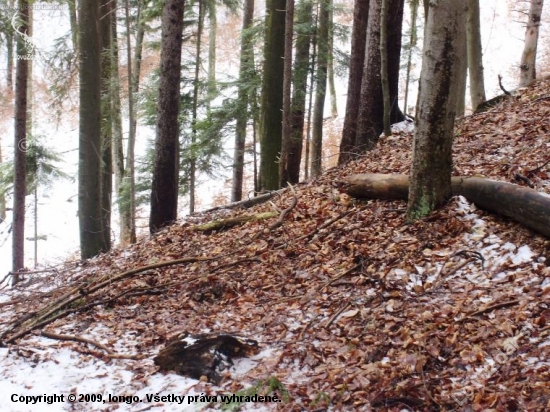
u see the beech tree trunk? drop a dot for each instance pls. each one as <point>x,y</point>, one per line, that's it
<point>164,190</point>
<point>272,95</point>
<point>475,55</point>
<point>245,69</point>
<point>444,45</point>
<point>529,56</point>
<point>413,38</point>
<point>357,63</point>
<point>320,90</point>
<point>299,88</point>
<point>287,86</point>
<point>525,205</point>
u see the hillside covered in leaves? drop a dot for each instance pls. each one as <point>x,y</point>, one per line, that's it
<point>352,308</point>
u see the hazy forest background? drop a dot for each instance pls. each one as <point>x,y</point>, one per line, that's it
<point>211,115</point>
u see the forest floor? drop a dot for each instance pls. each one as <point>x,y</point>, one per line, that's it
<point>352,308</point>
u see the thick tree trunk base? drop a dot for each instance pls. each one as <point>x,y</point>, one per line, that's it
<point>526,206</point>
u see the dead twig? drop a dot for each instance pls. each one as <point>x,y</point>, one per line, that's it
<point>335,316</point>
<point>56,336</point>
<point>491,308</point>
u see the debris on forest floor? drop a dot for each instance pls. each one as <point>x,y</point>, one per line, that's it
<point>352,307</point>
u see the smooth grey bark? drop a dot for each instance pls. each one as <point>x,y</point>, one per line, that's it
<point>357,63</point>
<point>413,39</point>
<point>330,63</point>
<point>271,103</point>
<point>74,23</point>
<point>20,145</point>
<point>475,55</point>
<point>320,90</point>
<point>246,67</point>
<point>164,188</point>
<point>527,67</point>
<point>287,90</point>
<point>444,45</point>
<point>212,8</point>
<point>92,239</point>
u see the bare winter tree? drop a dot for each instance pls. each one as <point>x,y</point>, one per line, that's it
<point>529,56</point>
<point>475,55</point>
<point>444,46</point>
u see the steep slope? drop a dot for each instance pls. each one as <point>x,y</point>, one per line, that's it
<point>353,308</point>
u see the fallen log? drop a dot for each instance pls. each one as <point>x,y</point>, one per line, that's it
<point>525,205</point>
<point>233,221</point>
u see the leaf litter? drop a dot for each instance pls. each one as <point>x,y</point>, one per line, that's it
<point>353,308</point>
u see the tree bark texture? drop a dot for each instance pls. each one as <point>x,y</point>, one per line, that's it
<point>287,89</point>
<point>439,83</point>
<point>164,191</point>
<point>272,95</point>
<point>20,146</point>
<point>320,89</point>
<point>357,63</point>
<point>529,57</point>
<point>370,121</point>
<point>475,55</point>
<point>299,87</point>
<point>245,69</point>
<point>107,120</point>
<point>525,205</point>
<point>384,66</point>
<point>92,237</point>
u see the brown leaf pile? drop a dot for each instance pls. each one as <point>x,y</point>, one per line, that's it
<point>359,310</point>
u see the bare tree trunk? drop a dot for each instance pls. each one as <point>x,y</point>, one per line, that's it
<point>211,52</point>
<point>164,190</point>
<point>320,90</point>
<point>475,55</point>
<point>92,239</point>
<point>193,160</point>
<point>245,69</point>
<point>107,120</point>
<point>299,87</point>
<point>444,45</point>
<point>357,63</point>
<point>413,38</point>
<point>272,95</point>
<point>307,160</point>
<point>384,65</point>
<point>20,145</point>
<point>2,197</point>
<point>9,46</point>
<point>529,57</point>
<point>74,23</point>
<point>133,86</point>
<point>287,85</point>
<point>330,62</point>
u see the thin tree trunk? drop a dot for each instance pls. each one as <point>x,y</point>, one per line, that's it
<point>193,159</point>
<point>245,69</point>
<point>92,239</point>
<point>133,86</point>
<point>2,197</point>
<point>35,223</point>
<point>74,23</point>
<point>107,120</point>
<point>357,63</point>
<point>164,188</point>
<point>272,95</point>
<point>320,91</point>
<point>527,67</point>
<point>444,45</point>
<point>330,63</point>
<point>384,66</point>
<point>211,52</point>
<point>9,46</point>
<point>475,55</point>
<point>413,38</point>
<point>20,145</point>
<point>299,88</point>
<point>310,107</point>
<point>287,85</point>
